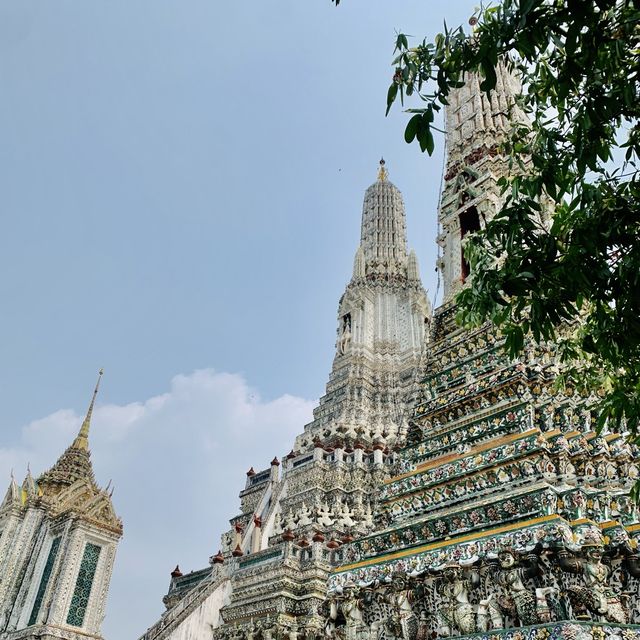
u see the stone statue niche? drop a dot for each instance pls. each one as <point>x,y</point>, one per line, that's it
<point>344,337</point>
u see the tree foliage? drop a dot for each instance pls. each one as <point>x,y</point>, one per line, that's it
<point>579,61</point>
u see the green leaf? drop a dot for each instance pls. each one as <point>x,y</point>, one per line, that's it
<point>490,78</point>
<point>391,96</point>
<point>429,144</point>
<point>412,128</point>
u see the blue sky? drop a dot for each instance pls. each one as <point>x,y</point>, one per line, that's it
<point>180,194</point>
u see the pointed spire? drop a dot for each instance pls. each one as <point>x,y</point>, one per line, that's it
<point>383,174</point>
<point>82,440</point>
<point>383,236</point>
<point>359,264</point>
<point>12,497</point>
<point>29,488</point>
<point>75,462</point>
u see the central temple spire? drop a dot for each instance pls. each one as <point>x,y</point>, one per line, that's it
<point>383,236</point>
<point>381,324</point>
<point>297,516</point>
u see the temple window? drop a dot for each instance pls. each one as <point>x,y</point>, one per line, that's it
<point>84,582</point>
<point>44,581</point>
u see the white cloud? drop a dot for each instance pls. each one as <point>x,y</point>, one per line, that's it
<point>178,461</point>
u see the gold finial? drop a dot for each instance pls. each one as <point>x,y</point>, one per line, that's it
<point>82,439</point>
<point>382,172</point>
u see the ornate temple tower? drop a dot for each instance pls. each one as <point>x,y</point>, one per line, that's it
<point>382,319</point>
<point>506,508</point>
<point>500,507</point>
<point>476,126</point>
<point>269,578</point>
<point>58,538</point>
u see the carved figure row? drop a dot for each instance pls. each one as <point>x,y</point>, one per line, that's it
<point>341,515</point>
<point>521,592</point>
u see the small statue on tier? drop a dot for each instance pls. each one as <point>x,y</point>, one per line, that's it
<point>352,610</point>
<point>344,617</point>
<point>345,516</point>
<point>631,563</point>
<point>345,335</point>
<point>457,613</point>
<point>402,622</point>
<point>528,605</point>
<point>367,517</point>
<point>334,620</point>
<point>277,524</point>
<point>595,600</point>
<point>290,521</point>
<point>325,515</point>
<point>304,516</point>
<point>251,632</point>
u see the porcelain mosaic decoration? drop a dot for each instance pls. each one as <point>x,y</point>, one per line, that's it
<point>442,489</point>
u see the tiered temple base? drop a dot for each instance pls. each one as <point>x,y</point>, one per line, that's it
<point>508,513</point>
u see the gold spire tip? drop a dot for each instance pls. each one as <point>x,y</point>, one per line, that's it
<point>382,171</point>
<point>82,439</point>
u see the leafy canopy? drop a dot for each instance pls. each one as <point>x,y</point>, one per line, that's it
<point>579,62</point>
